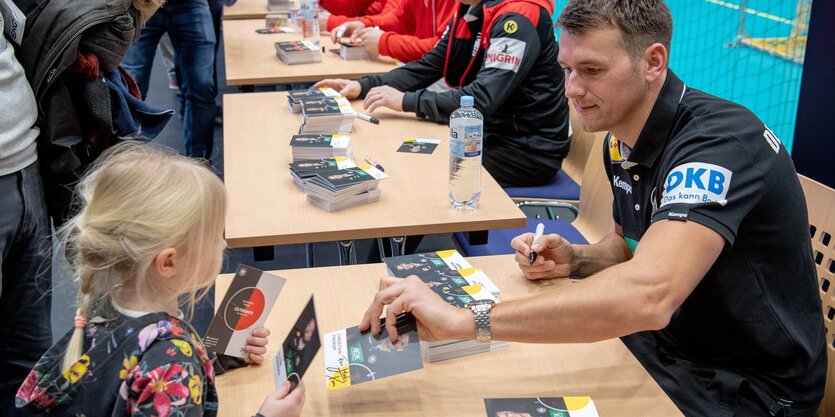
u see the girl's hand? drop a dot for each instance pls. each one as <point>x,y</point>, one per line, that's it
<point>284,403</point>
<point>256,345</point>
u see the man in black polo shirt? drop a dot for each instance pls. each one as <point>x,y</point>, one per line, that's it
<point>709,276</point>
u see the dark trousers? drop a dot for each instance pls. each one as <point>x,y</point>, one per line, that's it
<point>25,281</point>
<point>189,25</point>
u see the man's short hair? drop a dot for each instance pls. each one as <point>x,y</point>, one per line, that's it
<point>641,22</point>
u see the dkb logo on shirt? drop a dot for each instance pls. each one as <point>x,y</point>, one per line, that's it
<point>696,183</point>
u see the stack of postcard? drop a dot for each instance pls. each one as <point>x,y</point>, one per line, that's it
<point>280,5</point>
<point>316,146</point>
<point>344,188</point>
<point>305,169</point>
<point>295,97</point>
<point>327,115</point>
<point>298,52</point>
<point>541,407</point>
<point>350,51</point>
<point>450,276</point>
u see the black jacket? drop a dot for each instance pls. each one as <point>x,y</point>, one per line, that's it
<point>506,59</point>
<point>74,124</point>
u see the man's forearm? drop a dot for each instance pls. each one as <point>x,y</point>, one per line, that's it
<point>591,259</point>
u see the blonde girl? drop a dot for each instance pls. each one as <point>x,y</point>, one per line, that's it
<point>148,234</point>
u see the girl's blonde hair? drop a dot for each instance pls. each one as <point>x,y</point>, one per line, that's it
<point>135,202</point>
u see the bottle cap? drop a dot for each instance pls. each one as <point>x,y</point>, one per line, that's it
<point>467,100</point>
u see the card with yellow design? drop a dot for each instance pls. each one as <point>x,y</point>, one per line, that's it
<point>353,357</point>
<point>541,407</point>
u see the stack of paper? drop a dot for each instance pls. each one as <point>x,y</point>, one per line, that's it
<point>305,169</point>
<point>294,98</point>
<point>306,147</point>
<point>450,276</point>
<point>353,50</point>
<point>298,52</point>
<point>341,189</point>
<point>327,115</point>
<point>280,5</point>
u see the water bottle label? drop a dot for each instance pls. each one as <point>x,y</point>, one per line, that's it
<point>470,146</point>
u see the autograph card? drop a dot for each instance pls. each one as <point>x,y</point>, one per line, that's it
<point>415,145</point>
<point>298,349</point>
<point>352,357</point>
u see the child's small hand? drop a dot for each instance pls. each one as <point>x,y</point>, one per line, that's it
<point>256,345</point>
<point>284,403</point>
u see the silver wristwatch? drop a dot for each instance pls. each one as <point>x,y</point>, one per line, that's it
<point>481,311</point>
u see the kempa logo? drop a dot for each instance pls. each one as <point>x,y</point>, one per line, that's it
<point>510,27</point>
<point>623,185</point>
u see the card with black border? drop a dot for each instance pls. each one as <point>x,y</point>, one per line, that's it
<point>298,349</point>
<point>415,145</point>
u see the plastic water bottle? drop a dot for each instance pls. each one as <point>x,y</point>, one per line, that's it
<point>466,132</point>
<point>309,13</point>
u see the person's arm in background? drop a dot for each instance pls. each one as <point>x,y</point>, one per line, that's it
<point>346,7</point>
<point>412,76</point>
<point>496,80</point>
<point>377,7</point>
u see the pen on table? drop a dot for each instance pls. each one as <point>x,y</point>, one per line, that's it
<point>373,162</point>
<point>540,228</point>
<point>368,118</point>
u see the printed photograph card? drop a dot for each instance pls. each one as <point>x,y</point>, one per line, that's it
<point>416,145</point>
<point>352,357</point>
<point>541,407</point>
<point>244,308</point>
<point>298,349</point>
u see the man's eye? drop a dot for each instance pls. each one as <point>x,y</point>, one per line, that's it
<point>592,71</point>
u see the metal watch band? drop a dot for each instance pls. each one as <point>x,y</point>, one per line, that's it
<point>482,322</point>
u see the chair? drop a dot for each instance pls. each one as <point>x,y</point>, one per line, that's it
<point>594,220</point>
<point>566,184</point>
<point>819,200</point>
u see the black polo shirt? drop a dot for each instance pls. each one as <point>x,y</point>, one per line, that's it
<point>753,326</point>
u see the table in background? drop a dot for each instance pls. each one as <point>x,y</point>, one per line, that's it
<point>251,59</point>
<point>266,208</point>
<point>605,370</point>
<point>247,9</point>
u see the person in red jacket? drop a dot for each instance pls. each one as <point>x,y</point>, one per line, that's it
<point>341,11</point>
<point>406,33</point>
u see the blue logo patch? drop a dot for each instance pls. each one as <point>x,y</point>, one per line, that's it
<point>696,183</point>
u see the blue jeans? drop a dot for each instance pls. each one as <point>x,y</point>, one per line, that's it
<point>189,25</point>
<point>25,280</point>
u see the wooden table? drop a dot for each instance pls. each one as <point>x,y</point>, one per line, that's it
<point>246,9</point>
<point>606,370</point>
<point>251,60</point>
<point>267,208</point>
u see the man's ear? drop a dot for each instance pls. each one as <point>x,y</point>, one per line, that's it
<point>657,61</point>
<point>165,264</point>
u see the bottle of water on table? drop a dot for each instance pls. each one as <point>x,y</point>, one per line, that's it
<point>466,132</point>
<point>309,13</point>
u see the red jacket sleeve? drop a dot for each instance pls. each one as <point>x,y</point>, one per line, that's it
<point>376,8</point>
<point>405,48</point>
<point>346,7</point>
<point>382,6</point>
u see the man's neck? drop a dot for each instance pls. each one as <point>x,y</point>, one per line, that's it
<point>630,130</point>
